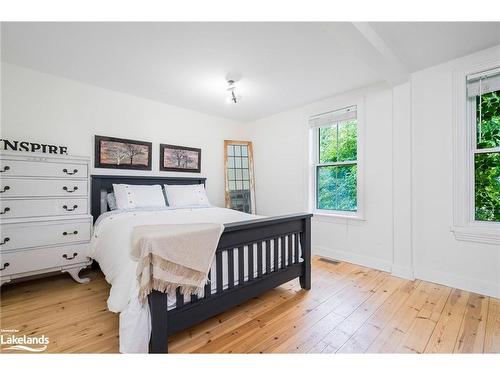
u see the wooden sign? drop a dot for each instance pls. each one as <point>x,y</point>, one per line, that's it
<point>7,145</point>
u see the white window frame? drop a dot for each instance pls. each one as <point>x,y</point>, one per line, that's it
<point>465,227</point>
<point>359,214</point>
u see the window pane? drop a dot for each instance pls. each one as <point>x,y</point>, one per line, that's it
<point>338,143</point>
<point>239,185</point>
<point>232,185</point>
<point>246,185</point>
<point>237,150</point>
<point>487,186</point>
<point>488,120</point>
<point>337,188</point>
<point>244,162</point>
<point>230,174</point>
<point>246,175</point>
<point>230,162</point>
<point>328,145</point>
<point>347,141</point>
<point>244,150</point>
<point>230,150</point>
<point>237,162</point>
<point>239,175</point>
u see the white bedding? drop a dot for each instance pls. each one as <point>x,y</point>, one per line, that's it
<point>111,246</point>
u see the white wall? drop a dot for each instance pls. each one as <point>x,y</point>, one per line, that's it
<point>281,148</point>
<point>44,108</point>
<point>438,256</point>
<point>407,183</point>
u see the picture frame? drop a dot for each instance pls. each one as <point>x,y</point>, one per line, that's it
<point>120,153</point>
<point>175,158</point>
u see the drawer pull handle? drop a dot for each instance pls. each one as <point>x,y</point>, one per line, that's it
<point>69,209</point>
<point>5,189</point>
<point>75,171</point>
<point>70,233</point>
<point>5,240</point>
<point>75,188</point>
<point>5,210</point>
<point>5,169</point>
<point>5,265</point>
<point>65,256</point>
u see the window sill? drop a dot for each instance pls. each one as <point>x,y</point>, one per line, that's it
<point>336,217</point>
<point>489,236</point>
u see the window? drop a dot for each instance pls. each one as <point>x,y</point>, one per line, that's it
<point>239,176</point>
<point>336,172</point>
<point>483,98</point>
<point>476,152</point>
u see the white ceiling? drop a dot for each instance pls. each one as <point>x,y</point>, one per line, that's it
<point>420,45</point>
<point>282,65</point>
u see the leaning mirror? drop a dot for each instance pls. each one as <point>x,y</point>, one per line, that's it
<point>239,178</point>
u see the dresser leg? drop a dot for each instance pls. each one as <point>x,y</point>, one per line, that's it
<point>74,274</point>
<point>5,281</point>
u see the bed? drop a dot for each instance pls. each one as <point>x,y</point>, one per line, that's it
<point>254,254</point>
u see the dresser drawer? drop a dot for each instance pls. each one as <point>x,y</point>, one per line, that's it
<point>17,187</point>
<point>40,259</point>
<point>34,234</point>
<point>28,168</point>
<point>21,208</point>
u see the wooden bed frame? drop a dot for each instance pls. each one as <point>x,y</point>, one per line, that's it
<point>266,235</point>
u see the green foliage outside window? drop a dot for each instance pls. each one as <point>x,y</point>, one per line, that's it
<point>337,184</point>
<point>335,146</point>
<point>487,165</point>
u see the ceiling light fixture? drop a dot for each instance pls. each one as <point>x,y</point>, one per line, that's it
<point>232,97</point>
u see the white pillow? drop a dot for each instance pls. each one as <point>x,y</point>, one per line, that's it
<point>110,198</point>
<point>186,196</point>
<point>138,196</point>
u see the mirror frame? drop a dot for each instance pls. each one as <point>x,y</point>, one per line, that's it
<point>250,172</point>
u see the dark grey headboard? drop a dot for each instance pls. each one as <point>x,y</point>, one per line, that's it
<point>103,184</point>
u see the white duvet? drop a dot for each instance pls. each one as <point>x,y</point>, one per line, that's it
<point>111,247</point>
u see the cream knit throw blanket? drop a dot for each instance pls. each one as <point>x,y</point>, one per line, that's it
<point>174,255</point>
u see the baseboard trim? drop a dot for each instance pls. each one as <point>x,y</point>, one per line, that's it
<point>362,260</point>
<point>453,281</point>
<point>434,276</point>
<point>403,272</point>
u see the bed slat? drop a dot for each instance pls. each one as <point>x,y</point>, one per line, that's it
<point>283,252</point>
<point>241,264</point>
<point>230,269</point>
<point>296,235</point>
<point>208,286</point>
<point>268,257</point>
<point>250,261</point>
<point>276,254</point>
<point>218,267</point>
<point>259,259</point>
<point>179,298</point>
<point>290,249</point>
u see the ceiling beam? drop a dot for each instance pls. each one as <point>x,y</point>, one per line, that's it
<point>360,39</point>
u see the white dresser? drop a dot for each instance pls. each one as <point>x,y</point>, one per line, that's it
<point>45,223</point>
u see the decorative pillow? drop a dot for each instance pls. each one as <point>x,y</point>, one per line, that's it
<point>138,196</point>
<point>110,198</point>
<point>186,196</point>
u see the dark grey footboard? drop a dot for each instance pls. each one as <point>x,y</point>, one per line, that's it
<point>281,238</point>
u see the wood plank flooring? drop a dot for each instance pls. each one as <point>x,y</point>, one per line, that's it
<point>350,309</point>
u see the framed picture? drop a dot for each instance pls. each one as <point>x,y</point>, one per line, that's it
<point>121,153</point>
<point>180,159</point>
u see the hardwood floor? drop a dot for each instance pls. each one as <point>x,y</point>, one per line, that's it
<point>350,309</point>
